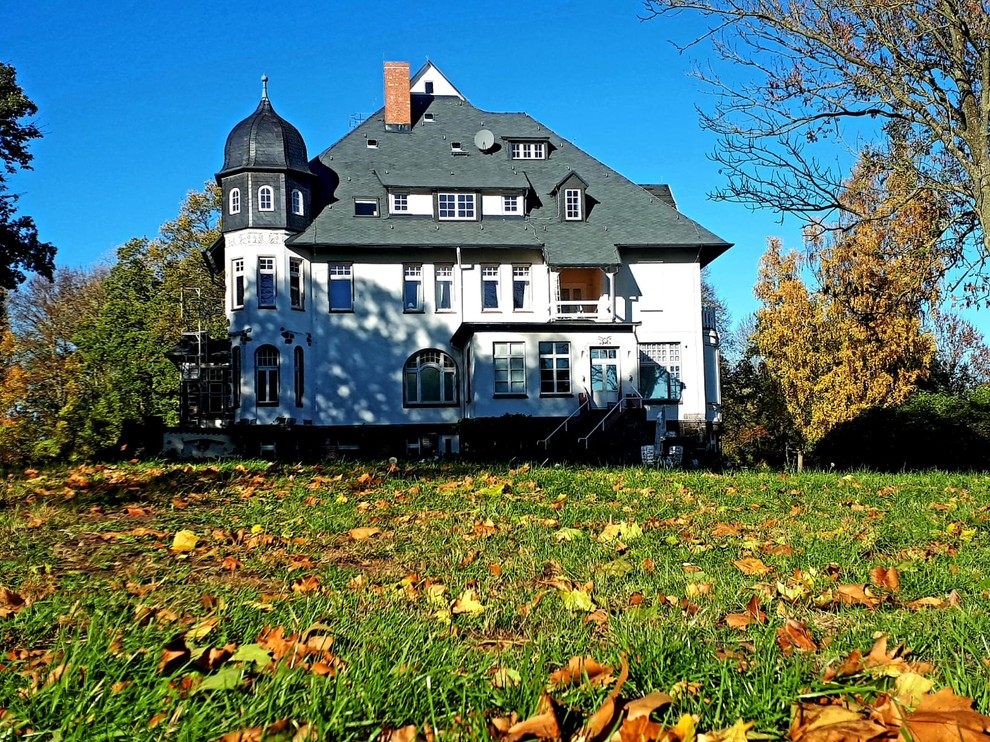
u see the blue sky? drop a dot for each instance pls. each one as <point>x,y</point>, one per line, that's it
<point>136,99</point>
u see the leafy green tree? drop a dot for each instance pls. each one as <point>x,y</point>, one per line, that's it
<point>148,305</point>
<point>20,248</point>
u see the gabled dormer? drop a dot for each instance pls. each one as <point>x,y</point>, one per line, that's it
<point>572,200</point>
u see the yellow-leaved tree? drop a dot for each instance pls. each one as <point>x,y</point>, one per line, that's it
<point>856,342</point>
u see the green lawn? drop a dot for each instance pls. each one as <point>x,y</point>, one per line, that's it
<point>191,602</point>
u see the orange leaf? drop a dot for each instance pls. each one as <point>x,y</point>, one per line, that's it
<point>405,734</point>
<point>813,723</point>
<point>364,533</point>
<point>857,595</point>
<point>886,578</point>
<point>542,725</point>
<point>306,584</point>
<point>577,669</point>
<point>794,635</point>
<point>752,566</point>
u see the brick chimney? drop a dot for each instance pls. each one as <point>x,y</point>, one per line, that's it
<point>398,113</point>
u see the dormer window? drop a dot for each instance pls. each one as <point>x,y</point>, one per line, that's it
<point>455,149</point>
<point>456,206</point>
<point>529,150</point>
<point>573,204</point>
<point>429,117</point>
<point>372,144</point>
<point>510,204</point>
<point>266,199</point>
<point>297,202</point>
<point>235,201</point>
<point>400,203</point>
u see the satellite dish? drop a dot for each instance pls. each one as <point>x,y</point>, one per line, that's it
<point>484,140</point>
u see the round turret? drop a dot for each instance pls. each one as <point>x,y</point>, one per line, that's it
<point>266,179</point>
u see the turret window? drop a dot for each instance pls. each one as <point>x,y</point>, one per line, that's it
<point>235,201</point>
<point>297,202</point>
<point>266,375</point>
<point>266,199</point>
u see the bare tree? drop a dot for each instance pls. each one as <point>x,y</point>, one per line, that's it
<point>803,73</point>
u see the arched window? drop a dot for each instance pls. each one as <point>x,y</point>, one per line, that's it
<point>235,377</point>
<point>266,199</point>
<point>266,375</point>
<point>430,378</point>
<point>235,201</point>
<point>298,376</point>
<point>297,201</point>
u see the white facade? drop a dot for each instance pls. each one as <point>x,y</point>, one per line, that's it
<point>407,312</point>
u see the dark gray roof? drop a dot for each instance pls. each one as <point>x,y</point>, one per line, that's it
<point>620,213</point>
<point>264,141</point>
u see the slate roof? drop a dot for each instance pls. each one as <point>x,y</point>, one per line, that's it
<point>264,141</point>
<point>620,213</point>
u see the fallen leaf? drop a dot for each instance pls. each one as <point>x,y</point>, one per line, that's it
<point>184,540</point>
<point>364,533</point>
<point>577,600</point>
<point>794,635</point>
<point>887,578</point>
<point>542,725</point>
<point>579,670</point>
<point>813,723</point>
<point>857,595</point>
<point>752,566</point>
<point>405,734</point>
<point>468,603</point>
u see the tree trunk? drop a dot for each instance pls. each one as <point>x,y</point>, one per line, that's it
<point>800,460</point>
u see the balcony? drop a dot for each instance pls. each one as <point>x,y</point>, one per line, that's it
<point>582,294</point>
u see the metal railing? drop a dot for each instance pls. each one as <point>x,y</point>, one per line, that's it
<point>584,406</point>
<point>624,402</point>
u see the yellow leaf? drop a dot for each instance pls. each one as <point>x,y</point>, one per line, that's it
<point>910,688</point>
<point>468,603</point>
<point>184,541</point>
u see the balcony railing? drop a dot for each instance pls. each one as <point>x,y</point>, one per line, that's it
<point>590,310</point>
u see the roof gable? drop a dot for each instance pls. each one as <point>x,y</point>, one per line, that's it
<point>429,73</point>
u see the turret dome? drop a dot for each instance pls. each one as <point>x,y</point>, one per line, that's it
<point>264,141</point>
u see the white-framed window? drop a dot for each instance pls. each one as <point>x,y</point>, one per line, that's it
<point>266,375</point>
<point>660,371</point>
<point>555,368</point>
<point>266,282</point>
<point>412,288</point>
<point>365,207</point>
<point>510,368</point>
<point>522,288</point>
<point>297,202</point>
<point>400,203</point>
<point>510,204</point>
<point>489,287</point>
<point>234,207</point>
<point>429,378</point>
<point>341,287</point>
<point>572,204</point>
<point>237,283</point>
<point>297,295</point>
<point>456,206</point>
<point>298,376</point>
<point>444,287</point>
<point>529,151</point>
<point>266,199</point>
